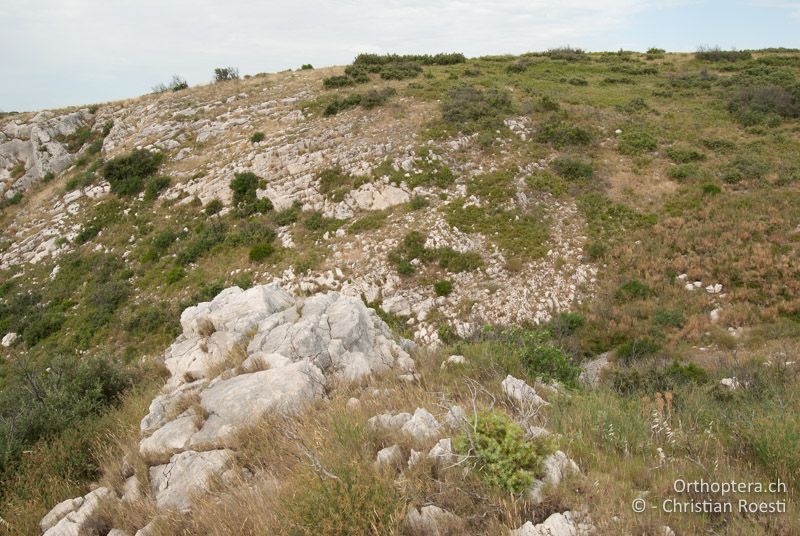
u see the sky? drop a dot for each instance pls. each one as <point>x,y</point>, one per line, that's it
<point>56,53</point>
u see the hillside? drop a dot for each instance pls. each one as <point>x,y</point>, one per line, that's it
<point>449,244</point>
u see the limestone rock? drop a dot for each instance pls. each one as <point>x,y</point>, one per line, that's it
<point>186,473</point>
<point>430,521</point>
<point>566,524</point>
<point>422,426</point>
<point>555,467</point>
<point>389,457</point>
<point>593,370</point>
<point>80,521</point>
<point>170,438</point>
<point>442,453</point>
<point>454,360</point>
<point>9,339</point>
<point>521,393</point>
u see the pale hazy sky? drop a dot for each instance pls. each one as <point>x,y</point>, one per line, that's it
<point>64,52</point>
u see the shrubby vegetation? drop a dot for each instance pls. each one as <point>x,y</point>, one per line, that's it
<point>127,174</point>
<point>224,74</point>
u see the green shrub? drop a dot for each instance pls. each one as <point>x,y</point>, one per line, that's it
<point>423,59</point>
<point>568,54</point>
<point>684,171</point>
<point>709,188</point>
<point>368,100</point>
<point>745,167</point>
<point>457,261</point>
<point>549,363</point>
<point>764,105</point>
<point>671,318</point>
<point>155,185</point>
<point>223,74</point>
<point>175,274</point>
<point>213,207</point>
<point>547,104</point>
<point>572,169</point>
<point>288,216</point>
<point>40,401</point>
<point>257,137</point>
<point>418,202</point>
<point>48,177</point>
<point>261,252</point>
<point>565,324</point>
<point>127,173</point>
<point>546,182</point>
<point>245,198</point>
<point>306,67</point>
<point>684,155</point>
<point>503,458</point>
<point>637,349</point>
<point>717,54</point>
<point>472,109</point>
<point>400,71</point>
<point>635,142</point>
<point>561,134</point>
<point>634,289</point>
<point>443,288</point>
<point>204,238</point>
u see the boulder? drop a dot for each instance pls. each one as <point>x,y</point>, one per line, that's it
<point>593,370</point>
<point>430,521</point>
<point>9,339</point>
<point>454,360</point>
<point>521,393</point>
<point>442,453</point>
<point>422,426</point>
<point>566,524</point>
<point>555,467</point>
<point>187,473</point>
<point>170,438</point>
<point>80,521</point>
<point>389,457</point>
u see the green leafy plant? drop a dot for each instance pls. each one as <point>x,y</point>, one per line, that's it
<point>127,173</point>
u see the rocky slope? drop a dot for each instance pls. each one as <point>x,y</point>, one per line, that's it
<point>205,135</point>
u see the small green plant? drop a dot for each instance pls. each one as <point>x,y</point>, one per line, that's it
<point>18,170</point>
<point>175,274</point>
<point>213,207</point>
<point>245,198</point>
<point>418,202</point>
<point>717,54</point>
<point>684,155</point>
<point>443,288</point>
<point>471,109</point>
<point>572,169</point>
<point>635,142</point>
<point>560,134</point>
<point>306,67</point>
<point>155,185</point>
<point>370,222</point>
<point>257,137</point>
<point>503,458</point>
<point>260,252</point>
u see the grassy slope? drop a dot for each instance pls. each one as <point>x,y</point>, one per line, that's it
<point>729,217</point>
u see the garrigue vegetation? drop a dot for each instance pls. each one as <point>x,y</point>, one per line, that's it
<point>683,168</point>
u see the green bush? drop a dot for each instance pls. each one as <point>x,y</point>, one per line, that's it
<point>457,261</point>
<point>288,216</point>
<point>684,155</point>
<point>682,172</point>
<point>261,252</point>
<point>549,363</point>
<point>257,137</point>
<point>127,173</point>
<point>370,222</point>
<point>306,67</point>
<point>764,105</point>
<point>637,349</point>
<point>745,167</point>
<point>443,288</point>
<point>155,185</point>
<point>717,54</point>
<point>245,198</point>
<point>635,142</point>
<point>634,289</point>
<point>41,400</point>
<point>175,274</point>
<point>503,458</point>
<point>223,74</point>
<point>569,54</point>
<point>472,109</point>
<point>423,59</point>
<point>572,169</point>
<point>561,134</point>
<point>418,202</point>
<point>213,207</point>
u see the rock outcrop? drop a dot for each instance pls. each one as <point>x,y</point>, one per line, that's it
<point>241,356</point>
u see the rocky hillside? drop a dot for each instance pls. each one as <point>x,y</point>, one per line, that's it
<point>417,295</point>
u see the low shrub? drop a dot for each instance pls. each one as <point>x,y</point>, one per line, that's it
<point>717,54</point>
<point>637,349</point>
<point>572,169</point>
<point>370,222</point>
<point>560,134</point>
<point>443,288</point>
<point>257,137</point>
<point>245,198</point>
<point>155,185</point>
<point>764,105</point>
<point>224,74</point>
<point>127,173</point>
<point>306,67</point>
<point>260,252</point>
<point>549,363</point>
<point>213,207</point>
<point>472,109</point>
<point>418,202</point>
<point>503,457</point>
<point>635,142</point>
<point>684,155</point>
<point>567,53</point>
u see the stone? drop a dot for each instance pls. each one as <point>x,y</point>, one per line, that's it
<point>414,458</point>
<point>455,418</point>
<point>9,339</point>
<point>58,512</point>
<point>389,457</point>
<point>187,473</point>
<point>593,370</point>
<point>237,402</point>
<point>430,521</point>
<point>521,393</point>
<point>555,468</point>
<point>83,520</point>
<point>131,490</point>
<point>117,532</point>
<point>170,438</point>
<point>454,360</point>
<point>422,426</point>
<point>566,524</point>
<point>388,421</point>
<point>396,305</point>
<point>353,404</point>
<point>731,384</point>
<point>442,453</point>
